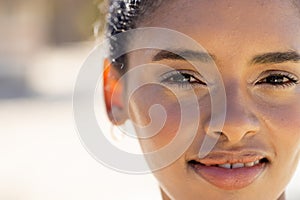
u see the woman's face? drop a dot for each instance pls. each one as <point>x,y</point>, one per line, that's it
<point>255,46</point>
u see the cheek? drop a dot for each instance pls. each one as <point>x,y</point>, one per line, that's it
<point>156,114</point>
<point>283,128</point>
<point>284,122</point>
<point>284,131</point>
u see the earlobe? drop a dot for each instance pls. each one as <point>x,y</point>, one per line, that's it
<point>113,94</point>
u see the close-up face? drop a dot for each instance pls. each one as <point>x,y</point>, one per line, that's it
<point>255,46</point>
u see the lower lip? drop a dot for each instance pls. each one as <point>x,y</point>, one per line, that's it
<point>229,179</point>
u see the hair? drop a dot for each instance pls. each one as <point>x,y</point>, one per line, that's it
<point>124,15</point>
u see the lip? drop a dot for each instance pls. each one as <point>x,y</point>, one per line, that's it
<point>221,157</point>
<point>232,178</point>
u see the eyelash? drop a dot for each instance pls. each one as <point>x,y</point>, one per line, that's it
<point>186,78</point>
<point>284,79</point>
<point>182,78</point>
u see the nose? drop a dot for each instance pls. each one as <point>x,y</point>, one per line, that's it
<point>240,121</point>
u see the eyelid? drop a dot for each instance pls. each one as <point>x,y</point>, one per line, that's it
<point>181,71</point>
<point>267,73</point>
<point>293,80</point>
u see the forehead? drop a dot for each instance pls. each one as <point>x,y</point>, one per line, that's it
<point>224,13</point>
<point>231,17</point>
<point>236,25</point>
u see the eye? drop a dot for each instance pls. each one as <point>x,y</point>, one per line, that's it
<point>182,78</point>
<point>278,79</point>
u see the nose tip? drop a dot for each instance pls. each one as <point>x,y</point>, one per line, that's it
<point>239,123</point>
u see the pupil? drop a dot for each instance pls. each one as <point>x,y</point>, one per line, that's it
<point>275,79</point>
<point>181,78</point>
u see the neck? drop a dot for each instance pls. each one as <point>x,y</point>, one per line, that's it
<point>282,197</point>
<point>165,196</point>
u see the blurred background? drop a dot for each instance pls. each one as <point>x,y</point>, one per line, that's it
<point>42,46</point>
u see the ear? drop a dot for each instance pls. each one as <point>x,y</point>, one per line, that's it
<point>113,94</point>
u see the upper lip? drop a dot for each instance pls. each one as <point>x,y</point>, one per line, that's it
<point>223,157</point>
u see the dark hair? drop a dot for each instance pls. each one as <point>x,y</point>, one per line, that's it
<point>124,15</point>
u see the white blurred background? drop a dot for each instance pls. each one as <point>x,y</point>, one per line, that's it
<point>42,46</point>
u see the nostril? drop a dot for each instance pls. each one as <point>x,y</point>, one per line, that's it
<point>234,134</point>
<point>219,133</point>
<point>216,134</point>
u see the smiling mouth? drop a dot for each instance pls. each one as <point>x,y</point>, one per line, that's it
<point>230,171</point>
<point>233,165</point>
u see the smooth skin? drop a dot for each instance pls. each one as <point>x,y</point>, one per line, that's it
<point>262,92</point>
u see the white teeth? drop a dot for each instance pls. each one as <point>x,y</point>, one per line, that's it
<point>249,164</point>
<point>227,165</point>
<point>237,165</point>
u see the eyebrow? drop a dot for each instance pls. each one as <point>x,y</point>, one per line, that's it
<point>266,58</point>
<point>182,55</point>
<point>276,57</point>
